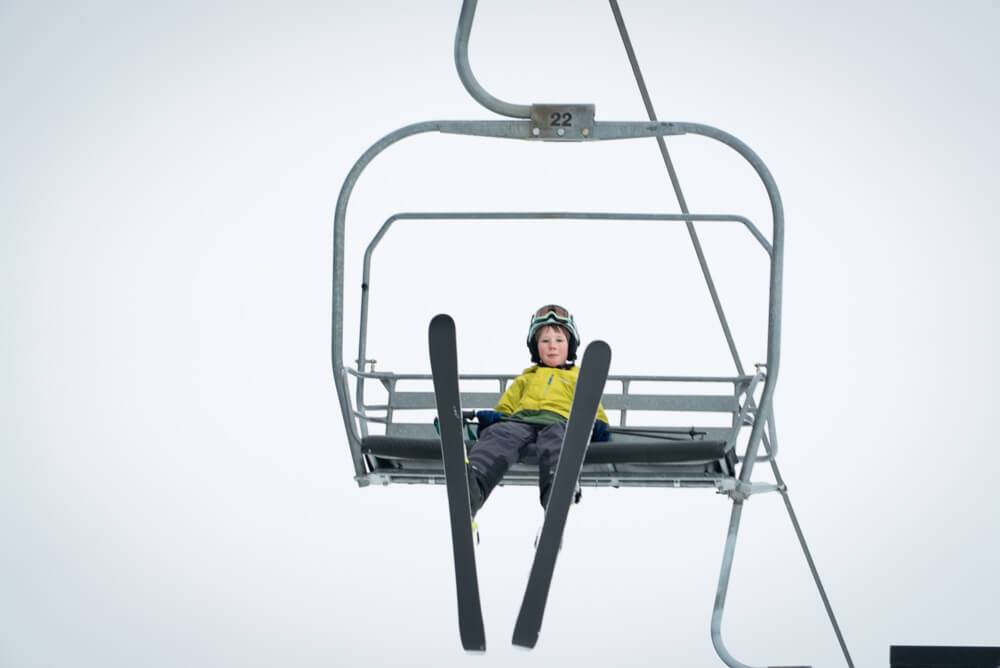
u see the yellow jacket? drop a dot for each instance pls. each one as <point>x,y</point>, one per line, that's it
<point>542,388</point>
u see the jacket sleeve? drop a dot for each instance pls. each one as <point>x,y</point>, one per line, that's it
<point>601,415</point>
<point>511,399</point>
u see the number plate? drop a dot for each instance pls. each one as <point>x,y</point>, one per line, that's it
<point>562,122</point>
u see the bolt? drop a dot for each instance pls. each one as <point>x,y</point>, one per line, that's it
<point>560,132</point>
<point>536,131</point>
<point>585,132</point>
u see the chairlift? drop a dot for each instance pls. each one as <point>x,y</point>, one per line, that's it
<point>386,450</point>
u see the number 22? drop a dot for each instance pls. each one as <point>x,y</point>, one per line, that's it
<point>564,120</point>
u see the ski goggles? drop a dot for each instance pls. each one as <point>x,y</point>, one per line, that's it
<point>552,312</point>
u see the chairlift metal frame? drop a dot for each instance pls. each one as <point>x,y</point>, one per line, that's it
<point>410,454</point>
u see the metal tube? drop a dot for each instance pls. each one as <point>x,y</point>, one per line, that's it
<point>675,182</point>
<point>337,325</point>
<point>723,587</point>
<point>783,490</point>
<point>477,92</point>
<point>747,406</point>
<point>775,281</point>
<point>515,216</point>
<point>812,568</point>
<point>770,437</point>
<point>385,375</point>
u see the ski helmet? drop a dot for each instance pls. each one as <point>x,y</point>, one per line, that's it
<point>553,314</point>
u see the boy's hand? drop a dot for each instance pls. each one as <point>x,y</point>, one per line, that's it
<point>601,432</point>
<point>485,419</point>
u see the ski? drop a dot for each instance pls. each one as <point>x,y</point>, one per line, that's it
<point>589,388</point>
<point>444,369</point>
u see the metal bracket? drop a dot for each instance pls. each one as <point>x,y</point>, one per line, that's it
<point>725,485</point>
<point>562,122</point>
<point>373,479</point>
<point>740,491</point>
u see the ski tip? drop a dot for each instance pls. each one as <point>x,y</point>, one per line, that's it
<point>598,351</point>
<point>442,319</point>
<point>598,345</point>
<point>442,323</point>
<point>519,640</point>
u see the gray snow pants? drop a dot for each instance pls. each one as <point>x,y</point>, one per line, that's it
<point>506,443</point>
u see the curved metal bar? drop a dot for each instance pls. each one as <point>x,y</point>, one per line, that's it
<point>514,216</point>
<point>477,92</point>
<point>723,588</point>
<point>337,337</point>
<point>727,561</point>
<point>774,306</point>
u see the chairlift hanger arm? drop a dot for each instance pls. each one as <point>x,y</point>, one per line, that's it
<point>477,92</point>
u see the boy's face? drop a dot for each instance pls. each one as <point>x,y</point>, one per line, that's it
<point>553,346</point>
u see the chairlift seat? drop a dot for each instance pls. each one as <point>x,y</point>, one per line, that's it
<point>411,452</point>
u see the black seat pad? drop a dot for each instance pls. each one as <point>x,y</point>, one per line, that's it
<point>622,450</point>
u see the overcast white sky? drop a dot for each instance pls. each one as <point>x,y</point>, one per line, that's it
<point>175,485</point>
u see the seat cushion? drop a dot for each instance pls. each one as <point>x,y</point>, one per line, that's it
<point>622,450</point>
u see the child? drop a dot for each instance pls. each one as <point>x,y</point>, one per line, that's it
<point>533,410</point>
